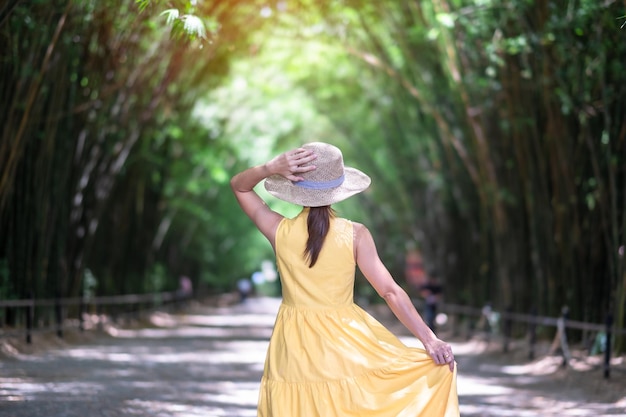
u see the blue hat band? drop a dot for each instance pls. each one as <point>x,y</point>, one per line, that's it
<point>320,185</point>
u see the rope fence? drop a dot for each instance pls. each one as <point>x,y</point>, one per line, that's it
<point>33,316</point>
<point>26,317</point>
<point>501,323</point>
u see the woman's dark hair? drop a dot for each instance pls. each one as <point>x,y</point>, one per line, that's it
<point>318,224</point>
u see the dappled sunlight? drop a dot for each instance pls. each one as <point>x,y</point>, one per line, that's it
<point>157,408</point>
<point>220,401</point>
<point>197,398</point>
<point>195,365</point>
<point>212,320</point>
<point>189,332</point>
<point>587,363</point>
<point>526,405</point>
<point>29,389</point>
<point>215,398</point>
<point>253,320</point>
<point>241,352</point>
<point>161,319</point>
<point>538,388</point>
<point>229,320</point>
<point>472,347</point>
<point>544,366</point>
<point>468,385</point>
<point>483,396</point>
<point>191,365</point>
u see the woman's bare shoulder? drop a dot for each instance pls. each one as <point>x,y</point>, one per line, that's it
<point>359,227</point>
<point>361,234</point>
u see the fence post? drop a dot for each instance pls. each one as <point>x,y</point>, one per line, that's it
<point>471,326</point>
<point>532,337</point>
<point>81,310</point>
<point>486,322</point>
<point>30,316</point>
<point>507,328</point>
<point>100,315</point>
<point>607,349</point>
<point>563,334</point>
<point>58,315</point>
<point>456,319</point>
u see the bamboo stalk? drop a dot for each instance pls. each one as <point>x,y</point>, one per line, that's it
<point>18,145</point>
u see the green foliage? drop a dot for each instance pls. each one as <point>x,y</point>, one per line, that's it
<point>90,284</point>
<point>142,4</point>
<point>157,279</point>
<point>492,131</point>
<point>115,102</point>
<point>186,26</point>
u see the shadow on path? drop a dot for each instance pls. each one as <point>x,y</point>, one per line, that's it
<point>208,362</point>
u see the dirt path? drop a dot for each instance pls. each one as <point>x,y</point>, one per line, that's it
<point>493,384</point>
<point>208,363</point>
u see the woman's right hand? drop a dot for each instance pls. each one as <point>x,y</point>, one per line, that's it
<point>291,163</point>
<point>441,352</point>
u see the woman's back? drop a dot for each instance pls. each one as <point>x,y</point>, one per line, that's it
<point>330,282</point>
<point>327,357</point>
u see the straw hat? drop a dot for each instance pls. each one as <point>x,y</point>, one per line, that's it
<point>329,183</point>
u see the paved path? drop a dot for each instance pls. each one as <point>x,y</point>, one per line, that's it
<point>209,362</point>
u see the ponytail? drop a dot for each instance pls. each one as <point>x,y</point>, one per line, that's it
<point>318,223</point>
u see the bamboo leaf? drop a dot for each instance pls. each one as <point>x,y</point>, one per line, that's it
<point>171,15</point>
<point>446,19</point>
<point>194,26</point>
<point>142,4</point>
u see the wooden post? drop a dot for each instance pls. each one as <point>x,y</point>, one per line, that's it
<point>30,316</point>
<point>100,315</point>
<point>607,349</point>
<point>58,315</point>
<point>563,334</point>
<point>507,329</point>
<point>532,333</point>
<point>81,310</point>
<point>471,325</point>
<point>560,338</point>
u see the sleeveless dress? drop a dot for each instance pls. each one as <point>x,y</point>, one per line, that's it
<point>329,358</point>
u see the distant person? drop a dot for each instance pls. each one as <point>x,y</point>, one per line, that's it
<point>244,288</point>
<point>327,357</point>
<point>185,287</point>
<point>414,272</point>
<point>431,292</point>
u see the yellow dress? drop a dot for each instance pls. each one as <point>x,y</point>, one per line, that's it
<point>329,358</point>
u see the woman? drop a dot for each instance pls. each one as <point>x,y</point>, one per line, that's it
<point>327,357</point>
